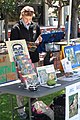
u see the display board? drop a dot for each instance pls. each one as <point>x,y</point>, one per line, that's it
<point>72,109</point>
<point>72,52</point>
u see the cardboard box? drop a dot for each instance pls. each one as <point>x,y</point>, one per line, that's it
<point>7,69</point>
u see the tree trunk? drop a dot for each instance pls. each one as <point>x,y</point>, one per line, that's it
<point>6,27</point>
<point>74,22</point>
<point>59,14</point>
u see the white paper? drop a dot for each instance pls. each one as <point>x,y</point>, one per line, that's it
<point>66,65</point>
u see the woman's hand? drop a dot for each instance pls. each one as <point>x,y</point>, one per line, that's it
<point>39,40</point>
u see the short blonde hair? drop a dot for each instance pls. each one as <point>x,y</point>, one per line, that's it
<point>27,9</point>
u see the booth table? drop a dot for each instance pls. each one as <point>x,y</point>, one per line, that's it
<point>18,89</point>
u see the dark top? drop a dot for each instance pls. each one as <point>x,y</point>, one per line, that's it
<point>19,31</point>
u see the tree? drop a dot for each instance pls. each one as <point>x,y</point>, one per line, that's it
<point>8,8</point>
<point>74,18</point>
<point>61,3</point>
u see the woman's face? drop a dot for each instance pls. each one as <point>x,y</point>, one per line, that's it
<point>27,19</point>
<point>27,16</point>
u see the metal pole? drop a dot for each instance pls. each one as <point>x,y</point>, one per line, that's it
<point>1,30</point>
<point>69,25</point>
<point>30,113</point>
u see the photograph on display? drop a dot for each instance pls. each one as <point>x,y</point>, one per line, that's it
<point>73,105</point>
<point>77,53</point>
<point>17,48</point>
<point>69,53</point>
<point>73,54</point>
<point>43,75</point>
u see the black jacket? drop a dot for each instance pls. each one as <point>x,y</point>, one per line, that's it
<point>19,31</point>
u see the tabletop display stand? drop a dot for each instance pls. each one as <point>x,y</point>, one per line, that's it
<point>18,52</point>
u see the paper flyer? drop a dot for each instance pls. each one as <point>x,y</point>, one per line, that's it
<point>72,108</point>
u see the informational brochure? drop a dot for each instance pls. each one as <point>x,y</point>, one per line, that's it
<point>72,107</point>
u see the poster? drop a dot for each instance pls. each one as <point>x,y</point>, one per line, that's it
<point>73,54</point>
<point>17,47</point>
<point>72,108</point>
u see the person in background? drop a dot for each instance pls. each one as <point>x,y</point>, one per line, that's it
<point>49,59</point>
<point>26,29</point>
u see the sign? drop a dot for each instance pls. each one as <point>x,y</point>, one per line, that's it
<point>72,109</point>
